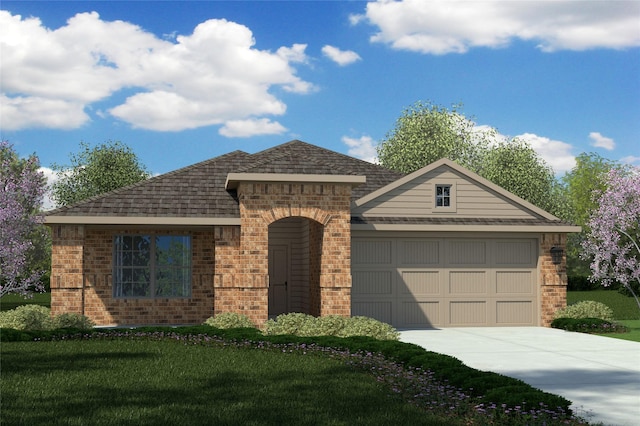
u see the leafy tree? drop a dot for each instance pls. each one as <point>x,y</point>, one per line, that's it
<point>425,133</point>
<point>21,190</point>
<point>614,232</point>
<point>96,170</point>
<point>516,167</point>
<point>588,175</point>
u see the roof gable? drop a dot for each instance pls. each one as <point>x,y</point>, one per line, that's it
<point>413,196</point>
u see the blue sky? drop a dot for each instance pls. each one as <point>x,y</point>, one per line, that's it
<point>181,82</point>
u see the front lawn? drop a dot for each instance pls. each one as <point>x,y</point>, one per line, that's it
<point>159,376</point>
<point>115,382</point>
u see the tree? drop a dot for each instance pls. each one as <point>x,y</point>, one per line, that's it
<point>516,167</point>
<point>425,133</point>
<point>614,232</point>
<point>588,175</point>
<point>96,170</point>
<point>21,190</point>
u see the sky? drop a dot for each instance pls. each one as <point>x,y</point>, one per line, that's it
<point>184,81</point>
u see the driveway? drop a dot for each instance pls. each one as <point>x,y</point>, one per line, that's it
<point>600,375</point>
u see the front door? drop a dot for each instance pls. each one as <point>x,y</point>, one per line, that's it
<point>278,277</point>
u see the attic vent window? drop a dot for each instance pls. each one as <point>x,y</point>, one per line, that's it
<point>443,195</point>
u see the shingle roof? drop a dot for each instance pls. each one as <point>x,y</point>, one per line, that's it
<point>198,191</point>
<point>358,220</point>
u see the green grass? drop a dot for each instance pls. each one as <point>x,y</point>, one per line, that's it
<point>12,301</point>
<point>633,334</point>
<point>141,382</point>
<point>624,307</point>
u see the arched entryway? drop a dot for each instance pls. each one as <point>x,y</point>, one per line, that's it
<point>295,247</point>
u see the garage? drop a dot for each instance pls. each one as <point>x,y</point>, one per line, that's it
<point>422,280</point>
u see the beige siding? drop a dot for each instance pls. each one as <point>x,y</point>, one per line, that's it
<point>440,280</point>
<point>416,199</point>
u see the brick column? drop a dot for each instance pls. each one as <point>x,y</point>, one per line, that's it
<point>328,208</point>
<point>553,278</point>
<point>67,265</point>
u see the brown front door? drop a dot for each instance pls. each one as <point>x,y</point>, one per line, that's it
<point>278,280</point>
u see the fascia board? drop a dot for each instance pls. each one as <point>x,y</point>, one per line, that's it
<point>140,220</point>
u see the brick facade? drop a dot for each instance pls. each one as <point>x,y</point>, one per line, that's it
<point>552,278</point>
<point>81,279</point>
<point>242,271</point>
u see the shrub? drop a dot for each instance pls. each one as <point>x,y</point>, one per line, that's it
<point>72,320</point>
<point>27,317</point>
<point>586,309</point>
<point>227,320</point>
<point>588,325</point>
<point>363,326</point>
<point>299,324</point>
<point>296,324</point>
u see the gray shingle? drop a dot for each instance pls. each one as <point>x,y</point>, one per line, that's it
<point>198,190</point>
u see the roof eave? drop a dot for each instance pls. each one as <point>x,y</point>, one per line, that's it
<point>140,220</point>
<point>464,228</point>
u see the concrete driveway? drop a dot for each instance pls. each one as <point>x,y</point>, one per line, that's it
<point>600,375</point>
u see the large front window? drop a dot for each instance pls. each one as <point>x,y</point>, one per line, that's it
<point>152,266</point>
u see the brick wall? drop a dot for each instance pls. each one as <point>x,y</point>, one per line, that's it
<point>245,280</point>
<point>553,278</point>
<point>82,271</point>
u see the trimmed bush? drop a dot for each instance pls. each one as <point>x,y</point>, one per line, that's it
<point>586,309</point>
<point>588,325</point>
<point>36,317</point>
<point>27,317</point>
<point>296,324</point>
<point>227,320</point>
<point>364,326</point>
<point>72,320</point>
<point>304,325</point>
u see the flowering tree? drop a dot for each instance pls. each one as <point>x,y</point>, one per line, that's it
<point>614,232</point>
<point>21,190</point>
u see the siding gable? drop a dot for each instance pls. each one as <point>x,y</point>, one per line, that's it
<point>414,197</point>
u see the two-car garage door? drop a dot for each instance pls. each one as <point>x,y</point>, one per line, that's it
<point>414,282</point>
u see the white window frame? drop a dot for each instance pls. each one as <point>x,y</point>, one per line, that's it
<point>452,207</point>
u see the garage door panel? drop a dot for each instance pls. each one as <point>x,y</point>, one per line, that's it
<point>380,310</point>
<point>420,314</point>
<point>468,313</point>
<point>419,252</point>
<point>514,312</point>
<point>372,252</point>
<point>371,283</point>
<point>467,253</point>
<point>420,283</point>
<point>467,282</point>
<point>514,282</point>
<point>515,253</point>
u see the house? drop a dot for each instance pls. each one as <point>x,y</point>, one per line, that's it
<point>299,228</point>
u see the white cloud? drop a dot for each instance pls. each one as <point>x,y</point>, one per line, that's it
<point>631,159</point>
<point>600,141</point>
<point>362,148</point>
<point>52,177</point>
<point>251,127</point>
<point>210,77</point>
<point>340,57</point>
<point>441,27</point>
<point>556,153</point>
